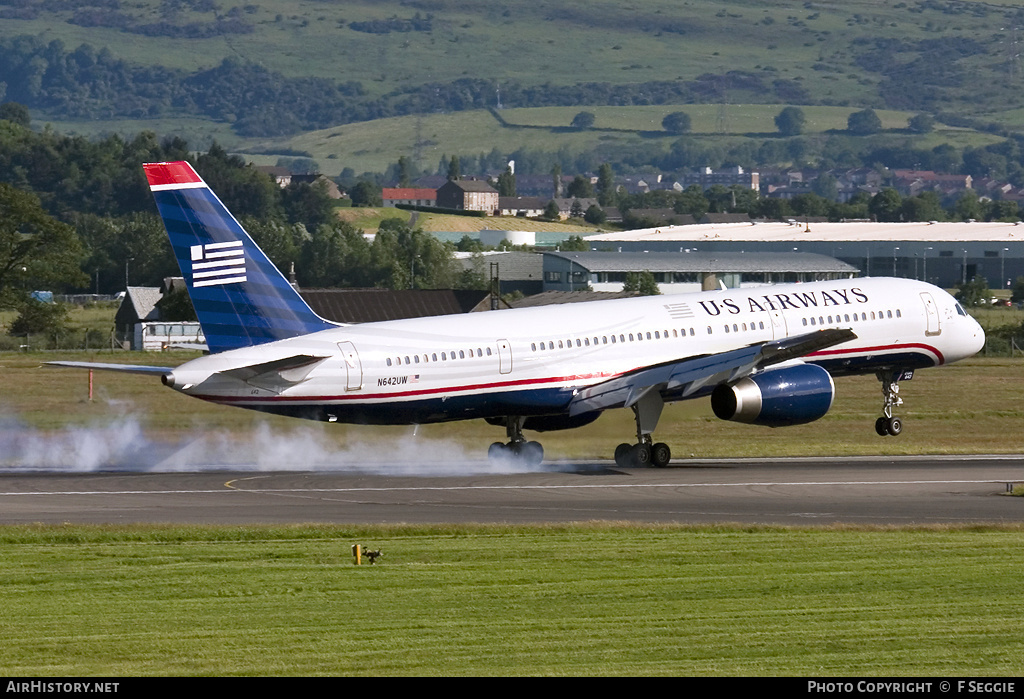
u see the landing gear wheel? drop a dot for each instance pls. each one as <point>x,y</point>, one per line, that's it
<point>894,426</point>
<point>881,426</point>
<point>622,455</point>
<point>496,451</point>
<point>641,454</point>
<point>660,455</point>
<point>531,453</point>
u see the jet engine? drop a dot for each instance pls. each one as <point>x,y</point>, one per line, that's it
<point>791,395</point>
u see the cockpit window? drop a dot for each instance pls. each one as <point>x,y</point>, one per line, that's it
<point>960,311</point>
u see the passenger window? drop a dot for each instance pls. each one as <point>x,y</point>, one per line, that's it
<point>389,361</point>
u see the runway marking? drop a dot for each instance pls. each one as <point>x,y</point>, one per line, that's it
<point>229,487</point>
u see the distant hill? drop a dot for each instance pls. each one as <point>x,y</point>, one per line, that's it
<point>354,85</point>
<point>277,68</point>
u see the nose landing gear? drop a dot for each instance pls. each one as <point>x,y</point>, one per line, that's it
<point>889,424</point>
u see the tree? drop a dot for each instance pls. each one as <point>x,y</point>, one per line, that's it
<point>595,215</point>
<point>15,112</point>
<point>366,193</point>
<point>39,317</point>
<point>864,123</point>
<point>454,169</point>
<point>926,206</point>
<point>692,201</point>
<point>583,120</point>
<point>580,188</point>
<point>35,249</point>
<point>677,122</point>
<point>308,203</point>
<point>1017,295</point>
<point>506,183</point>
<point>790,121</point>
<point>551,211</point>
<point>886,206</point>
<point>404,171</point>
<point>606,194</point>
<point>641,283</point>
<point>973,293</point>
<point>968,206</point>
<point>574,243</point>
<point>921,123</point>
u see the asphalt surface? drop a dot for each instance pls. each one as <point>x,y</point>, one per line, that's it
<point>900,491</point>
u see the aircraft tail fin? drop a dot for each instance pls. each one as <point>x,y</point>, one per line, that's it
<point>240,297</point>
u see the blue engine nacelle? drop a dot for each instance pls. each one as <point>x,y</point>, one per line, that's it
<point>789,396</point>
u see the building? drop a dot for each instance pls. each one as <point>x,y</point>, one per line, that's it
<point>944,254</point>
<point>468,195</point>
<point>373,305</point>
<point>409,196</point>
<point>682,272</point>
<point>531,207</point>
<point>706,177</point>
<point>515,270</point>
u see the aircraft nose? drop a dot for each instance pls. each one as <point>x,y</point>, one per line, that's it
<point>971,338</point>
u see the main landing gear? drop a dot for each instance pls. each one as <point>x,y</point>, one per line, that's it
<point>889,424</point>
<point>646,452</point>
<point>517,449</point>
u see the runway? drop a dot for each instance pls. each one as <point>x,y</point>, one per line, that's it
<point>880,490</point>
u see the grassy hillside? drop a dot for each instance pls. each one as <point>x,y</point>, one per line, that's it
<point>374,145</point>
<point>838,53</point>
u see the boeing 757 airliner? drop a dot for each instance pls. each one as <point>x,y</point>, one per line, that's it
<point>765,355</point>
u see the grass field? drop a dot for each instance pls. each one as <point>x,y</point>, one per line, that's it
<point>374,145</point>
<point>587,599</point>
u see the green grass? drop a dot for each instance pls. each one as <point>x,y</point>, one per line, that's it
<point>599,599</point>
<point>374,145</point>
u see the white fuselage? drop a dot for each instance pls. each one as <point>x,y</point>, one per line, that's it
<point>531,361</point>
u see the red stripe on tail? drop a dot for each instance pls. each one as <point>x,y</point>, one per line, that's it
<point>170,173</point>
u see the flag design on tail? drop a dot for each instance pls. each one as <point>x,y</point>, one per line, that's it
<point>240,297</point>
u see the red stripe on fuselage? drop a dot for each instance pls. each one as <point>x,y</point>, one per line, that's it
<point>880,348</point>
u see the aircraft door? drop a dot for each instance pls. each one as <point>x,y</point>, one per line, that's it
<point>353,367</point>
<point>779,327</point>
<point>504,357</point>
<point>931,313</point>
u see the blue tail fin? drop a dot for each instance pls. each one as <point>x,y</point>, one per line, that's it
<point>240,297</point>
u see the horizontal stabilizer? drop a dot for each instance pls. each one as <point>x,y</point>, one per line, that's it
<point>125,368</point>
<point>277,374</point>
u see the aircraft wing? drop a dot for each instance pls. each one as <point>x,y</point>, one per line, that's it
<point>126,368</point>
<point>685,377</point>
